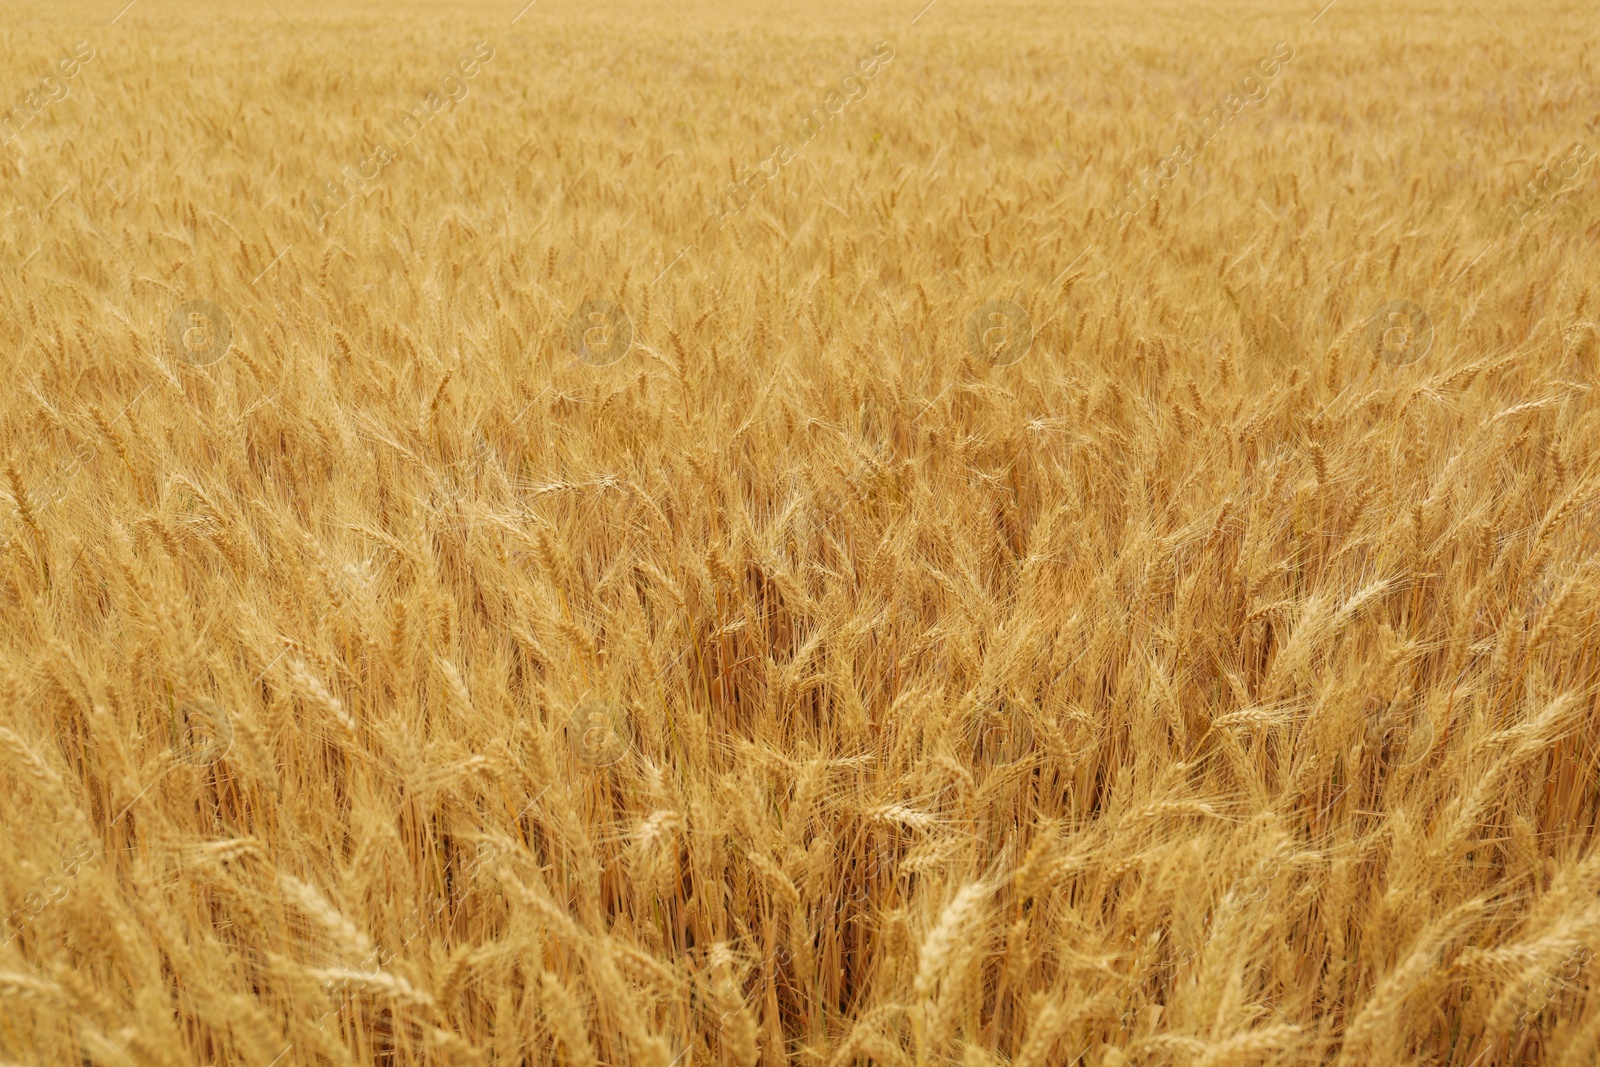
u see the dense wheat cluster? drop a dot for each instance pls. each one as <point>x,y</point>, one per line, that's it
<point>668,532</point>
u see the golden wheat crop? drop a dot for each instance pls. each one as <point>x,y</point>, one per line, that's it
<point>668,532</point>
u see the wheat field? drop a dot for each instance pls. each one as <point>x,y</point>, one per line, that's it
<point>669,532</point>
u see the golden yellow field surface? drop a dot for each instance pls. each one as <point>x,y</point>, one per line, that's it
<point>668,532</point>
